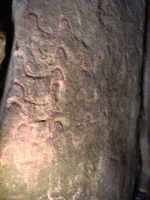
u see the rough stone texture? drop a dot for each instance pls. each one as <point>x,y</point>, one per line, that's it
<point>71,102</point>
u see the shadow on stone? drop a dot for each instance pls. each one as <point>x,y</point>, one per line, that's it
<point>7,28</point>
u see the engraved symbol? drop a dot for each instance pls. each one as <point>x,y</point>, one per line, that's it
<point>57,84</point>
<point>58,127</point>
<point>16,101</point>
<point>35,71</point>
<point>55,91</point>
<point>46,56</point>
<point>37,92</point>
<point>61,55</point>
<point>64,24</point>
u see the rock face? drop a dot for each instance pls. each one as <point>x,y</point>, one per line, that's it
<point>71,102</point>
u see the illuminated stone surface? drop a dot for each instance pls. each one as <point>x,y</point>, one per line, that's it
<point>71,102</point>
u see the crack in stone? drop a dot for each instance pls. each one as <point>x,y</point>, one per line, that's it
<point>141,123</point>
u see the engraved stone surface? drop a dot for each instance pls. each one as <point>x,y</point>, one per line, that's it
<point>71,105</point>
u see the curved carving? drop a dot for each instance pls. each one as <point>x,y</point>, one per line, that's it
<point>61,55</point>
<point>64,24</point>
<point>42,64</point>
<point>15,100</point>
<point>37,72</point>
<point>20,85</point>
<point>43,100</point>
<point>58,127</point>
<point>55,91</point>
<point>34,20</point>
<point>33,132</point>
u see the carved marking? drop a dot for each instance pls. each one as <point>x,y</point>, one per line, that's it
<point>36,73</point>
<point>61,55</point>
<point>40,72</point>
<point>35,17</point>
<point>55,91</point>
<point>64,24</point>
<point>46,100</point>
<point>33,132</point>
<point>19,84</point>
<point>15,100</point>
<point>58,127</point>
<point>41,52</point>
<point>41,59</point>
<point>38,92</point>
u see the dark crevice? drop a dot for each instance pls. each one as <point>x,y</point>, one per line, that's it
<point>7,27</point>
<point>140,121</point>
